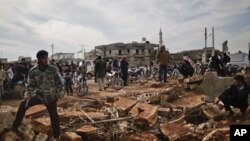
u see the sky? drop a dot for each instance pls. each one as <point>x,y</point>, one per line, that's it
<point>27,26</point>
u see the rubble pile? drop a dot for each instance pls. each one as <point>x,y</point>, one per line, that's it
<point>175,113</point>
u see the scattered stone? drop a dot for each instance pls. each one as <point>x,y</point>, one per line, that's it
<point>42,124</point>
<point>142,137</point>
<point>222,134</point>
<point>66,116</point>
<point>124,105</point>
<point>194,80</point>
<point>70,136</point>
<point>160,85</point>
<point>193,86</point>
<point>10,136</point>
<point>177,132</point>
<point>35,111</point>
<point>164,111</point>
<point>41,137</point>
<point>212,112</point>
<point>88,132</point>
<point>144,114</point>
<point>6,118</point>
<point>189,100</point>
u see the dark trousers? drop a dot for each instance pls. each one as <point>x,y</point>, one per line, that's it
<point>163,71</point>
<point>125,77</point>
<point>68,85</point>
<point>52,109</point>
<point>235,102</point>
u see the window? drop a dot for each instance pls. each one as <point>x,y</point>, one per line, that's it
<point>128,51</point>
<point>149,50</point>
<point>109,51</point>
<point>137,51</point>
<point>120,52</point>
<point>142,50</point>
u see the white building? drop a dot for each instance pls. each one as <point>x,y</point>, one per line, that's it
<point>62,56</point>
<point>239,58</point>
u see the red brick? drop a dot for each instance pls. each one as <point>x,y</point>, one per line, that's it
<point>42,124</point>
<point>177,132</point>
<point>142,137</point>
<point>88,132</point>
<point>189,101</point>
<point>144,114</point>
<point>124,105</point>
<point>70,136</point>
<point>35,111</point>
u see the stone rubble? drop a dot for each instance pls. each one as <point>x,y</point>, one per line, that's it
<point>161,112</point>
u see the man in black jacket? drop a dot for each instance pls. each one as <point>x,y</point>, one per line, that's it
<point>124,70</point>
<point>236,95</point>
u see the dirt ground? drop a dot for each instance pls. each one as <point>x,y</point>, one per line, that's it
<point>94,92</point>
<point>144,112</point>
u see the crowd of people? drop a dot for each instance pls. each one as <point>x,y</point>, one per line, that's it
<point>44,81</point>
<point>18,72</point>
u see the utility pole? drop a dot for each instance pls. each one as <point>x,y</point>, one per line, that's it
<point>52,47</point>
<point>249,51</point>
<point>205,53</point>
<point>83,50</point>
<point>205,38</point>
<point>213,37</point>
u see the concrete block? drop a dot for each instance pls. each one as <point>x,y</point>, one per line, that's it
<point>124,105</point>
<point>144,114</point>
<point>70,136</point>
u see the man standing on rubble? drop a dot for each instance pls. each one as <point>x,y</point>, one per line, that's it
<point>2,78</point>
<point>44,86</point>
<point>124,70</point>
<point>100,70</point>
<point>162,58</point>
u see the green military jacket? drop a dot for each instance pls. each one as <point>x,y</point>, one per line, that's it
<point>45,85</point>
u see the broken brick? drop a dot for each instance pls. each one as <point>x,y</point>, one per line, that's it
<point>35,111</point>
<point>189,101</point>
<point>177,132</point>
<point>124,105</point>
<point>66,116</point>
<point>164,111</point>
<point>144,114</point>
<point>142,137</point>
<point>88,132</point>
<point>212,112</point>
<point>70,136</point>
<point>9,136</point>
<point>42,124</point>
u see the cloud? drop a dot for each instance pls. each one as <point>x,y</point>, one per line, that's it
<point>27,26</point>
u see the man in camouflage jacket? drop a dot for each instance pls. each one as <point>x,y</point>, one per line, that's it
<point>44,87</point>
